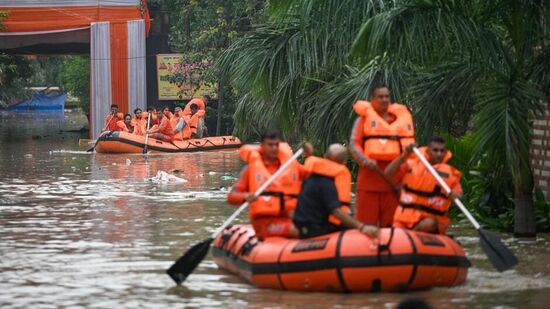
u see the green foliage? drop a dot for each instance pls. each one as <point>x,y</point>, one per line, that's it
<point>473,65</point>
<point>488,192</point>
<point>201,30</point>
<point>14,73</point>
<point>279,68</point>
<point>76,79</point>
<point>542,212</point>
<point>47,71</point>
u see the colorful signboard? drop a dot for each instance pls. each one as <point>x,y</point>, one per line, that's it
<point>191,87</point>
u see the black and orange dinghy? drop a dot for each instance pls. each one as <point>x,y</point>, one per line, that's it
<point>348,261</point>
<point>123,142</point>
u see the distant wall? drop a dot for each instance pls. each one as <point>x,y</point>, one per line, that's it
<point>540,152</point>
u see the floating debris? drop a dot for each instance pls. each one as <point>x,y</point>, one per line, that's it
<point>164,177</point>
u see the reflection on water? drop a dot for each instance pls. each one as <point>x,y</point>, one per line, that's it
<point>78,229</point>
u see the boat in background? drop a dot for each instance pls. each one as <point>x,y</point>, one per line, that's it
<point>124,142</point>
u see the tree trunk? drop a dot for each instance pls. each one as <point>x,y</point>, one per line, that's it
<point>220,108</point>
<point>524,215</point>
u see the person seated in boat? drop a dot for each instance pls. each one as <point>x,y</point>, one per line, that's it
<point>324,200</point>
<point>271,213</point>
<point>125,125</point>
<point>423,204</point>
<point>137,117</point>
<point>154,115</point>
<point>139,122</point>
<point>163,131</point>
<point>192,123</point>
<point>111,119</point>
<point>167,112</point>
<point>201,111</point>
<point>178,123</point>
<point>200,102</point>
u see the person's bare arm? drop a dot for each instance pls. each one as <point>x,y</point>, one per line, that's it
<point>392,168</point>
<point>349,221</point>
<point>356,145</point>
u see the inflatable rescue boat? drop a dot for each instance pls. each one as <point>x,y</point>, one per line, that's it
<point>348,261</point>
<point>123,142</point>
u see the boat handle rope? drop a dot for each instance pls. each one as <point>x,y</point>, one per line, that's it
<point>248,245</point>
<point>226,235</point>
<point>386,246</point>
<point>229,249</point>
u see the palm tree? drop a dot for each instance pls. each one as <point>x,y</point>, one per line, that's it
<point>489,58</point>
<point>454,63</point>
<point>279,68</point>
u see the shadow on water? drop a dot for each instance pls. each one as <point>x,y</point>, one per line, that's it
<point>93,230</point>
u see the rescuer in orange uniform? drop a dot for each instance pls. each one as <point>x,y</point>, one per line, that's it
<point>112,118</point>
<point>125,125</point>
<point>136,120</point>
<point>192,122</point>
<point>271,213</point>
<point>379,134</point>
<point>163,131</point>
<point>324,200</point>
<point>175,120</point>
<point>200,127</point>
<point>154,115</point>
<point>423,204</point>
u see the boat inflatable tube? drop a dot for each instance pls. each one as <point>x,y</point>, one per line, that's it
<point>348,261</point>
<point>124,142</point>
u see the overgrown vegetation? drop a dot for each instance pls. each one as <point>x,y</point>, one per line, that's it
<point>477,66</point>
<point>202,30</point>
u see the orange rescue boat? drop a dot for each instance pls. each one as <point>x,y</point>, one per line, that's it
<point>124,142</point>
<point>348,261</point>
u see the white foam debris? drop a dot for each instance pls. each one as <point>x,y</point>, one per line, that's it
<point>164,177</point>
<point>28,155</point>
<point>128,161</point>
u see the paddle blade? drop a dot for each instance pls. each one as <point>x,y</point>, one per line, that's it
<point>500,256</point>
<point>189,261</point>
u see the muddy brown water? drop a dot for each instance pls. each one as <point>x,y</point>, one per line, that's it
<point>91,230</point>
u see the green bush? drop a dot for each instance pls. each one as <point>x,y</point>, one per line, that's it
<point>488,189</point>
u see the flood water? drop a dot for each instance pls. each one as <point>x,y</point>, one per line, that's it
<point>91,230</point>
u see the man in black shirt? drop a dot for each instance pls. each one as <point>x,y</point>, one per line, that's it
<point>319,198</point>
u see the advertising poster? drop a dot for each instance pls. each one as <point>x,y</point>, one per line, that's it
<point>190,84</point>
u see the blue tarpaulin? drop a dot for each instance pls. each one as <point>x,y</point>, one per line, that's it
<point>41,101</point>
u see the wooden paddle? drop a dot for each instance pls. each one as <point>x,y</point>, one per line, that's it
<point>191,259</point>
<point>500,256</point>
<point>146,135</point>
<point>85,142</point>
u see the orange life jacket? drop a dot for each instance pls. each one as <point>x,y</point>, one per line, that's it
<point>281,197</point>
<point>111,121</point>
<point>121,126</point>
<point>191,124</point>
<point>342,181</point>
<point>383,140</point>
<point>199,102</point>
<point>154,118</point>
<point>421,196</point>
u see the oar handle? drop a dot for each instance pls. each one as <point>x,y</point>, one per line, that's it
<point>445,187</point>
<point>147,135</point>
<point>264,186</point>
<point>108,122</point>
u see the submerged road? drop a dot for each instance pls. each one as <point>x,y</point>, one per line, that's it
<point>93,230</point>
